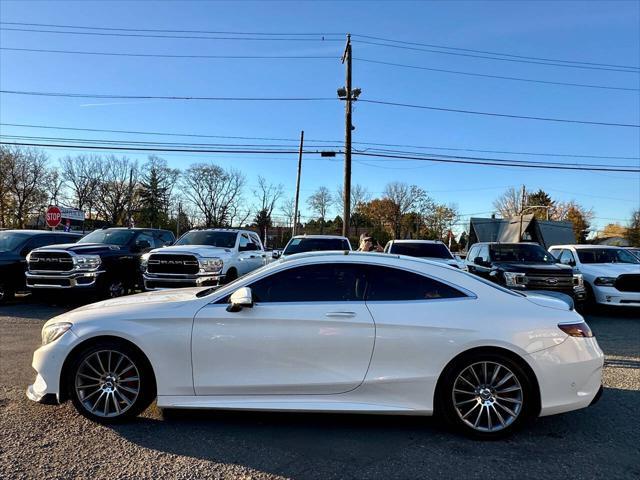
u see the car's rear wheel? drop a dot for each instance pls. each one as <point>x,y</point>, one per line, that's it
<point>5,293</point>
<point>487,396</point>
<point>111,381</point>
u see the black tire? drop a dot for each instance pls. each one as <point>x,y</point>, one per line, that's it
<point>6,293</point>
<point>589,305</point>
<point>231,275</point>
<point>105,399</point>
<point>453,406</point>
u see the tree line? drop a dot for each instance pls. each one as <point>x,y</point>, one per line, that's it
<point>118,191</point>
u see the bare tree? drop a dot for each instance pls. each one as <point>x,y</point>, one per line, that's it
<point>267,195</point>
<point>214,192</point>
<point>82,175</point>
<point>115,201</point>
<point>406,198</point>
<point>287,208</point>
<point>319,203</point>
<point>509,204</point>
<point>359,196</point>
<point>25,176</point>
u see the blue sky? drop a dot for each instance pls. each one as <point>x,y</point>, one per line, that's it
<point>592,31</point>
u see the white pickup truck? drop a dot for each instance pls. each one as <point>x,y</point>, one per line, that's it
<point>205,257</point>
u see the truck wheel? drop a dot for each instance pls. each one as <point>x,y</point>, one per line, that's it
<point>231,275</point>
<point>5,293</point>
<point>114,288</point>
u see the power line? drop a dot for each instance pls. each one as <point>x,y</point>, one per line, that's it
<point>494,114</point>
<point>174,37</point>
<point>160,55</point>
<point>167,97</point>
<point>426,147</point>
<point>496,58</point>
<point>500,77</point>
<point>526,57</point>
<point>156,30</point>
<point>488,162</point>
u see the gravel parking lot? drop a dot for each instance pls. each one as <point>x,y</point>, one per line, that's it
<point>54,442</point>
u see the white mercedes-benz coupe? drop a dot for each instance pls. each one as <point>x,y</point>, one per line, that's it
<point>330,332</point>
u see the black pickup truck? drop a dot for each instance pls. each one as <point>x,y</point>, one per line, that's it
<point>105,262</point>
<point>14,247</point>
<point>525,267</point>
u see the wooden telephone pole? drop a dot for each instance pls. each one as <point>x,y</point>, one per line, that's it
<point>295,205</point>
<point>346,213</point>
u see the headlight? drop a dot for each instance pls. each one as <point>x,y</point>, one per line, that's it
<point>87,261</point>
<point>144,261</point>
<point>515,279</point>
<point>578,280</point>
<point>605,281</point>
<point>211,264</point>
<point>54,331</point>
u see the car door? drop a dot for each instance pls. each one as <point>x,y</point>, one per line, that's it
<point>308,332</point>
<point>419,321</point>
<point>247,254</point>
<point>261,257</point>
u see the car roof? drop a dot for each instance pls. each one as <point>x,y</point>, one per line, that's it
<point>416,241</point>
<point>580,247</point>
<point>505,243</point>
<point>134,229</point>
<point>328,237</point>
<point>236,230</point>
<point>43,232</point>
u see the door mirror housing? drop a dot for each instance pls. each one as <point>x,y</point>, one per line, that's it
<point>241,298</point>
<point>478,261</point>
<point>275,254</point>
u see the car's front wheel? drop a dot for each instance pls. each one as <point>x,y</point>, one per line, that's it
<point>5,293</point>
<point>111,381</point>
<point>487,395</point>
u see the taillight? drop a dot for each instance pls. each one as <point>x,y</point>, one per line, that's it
<point>580,329</point>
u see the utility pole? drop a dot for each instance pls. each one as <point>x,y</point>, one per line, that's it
<point>295,205</point>
<point>178,220</point>
<point>349,95</point>
<point>522,201</point>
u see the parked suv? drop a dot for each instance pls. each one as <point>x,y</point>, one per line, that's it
<point>314,243</point>
<point>203,258</point>
<point>611,274</point>
<point>525,266</point>
<point>14,247</point>
<point>105,261</point>
<point>433,250</point>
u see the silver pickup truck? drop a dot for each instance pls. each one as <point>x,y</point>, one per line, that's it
<point>205,257</point>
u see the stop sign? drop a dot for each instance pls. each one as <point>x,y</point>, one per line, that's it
<point>54,216</point>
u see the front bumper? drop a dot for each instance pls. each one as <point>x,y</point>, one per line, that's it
<point>159,281</point>
<point>614,297</point>
<point>569,374</point>
<point>75,279</point>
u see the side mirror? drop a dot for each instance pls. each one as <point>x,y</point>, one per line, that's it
<point>240,299</point>
<point>478,261</point>
<point>275,254</point>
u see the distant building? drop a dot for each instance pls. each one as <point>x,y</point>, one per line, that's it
<point>525,228</point>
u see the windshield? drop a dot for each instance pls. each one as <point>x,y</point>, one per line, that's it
<point>299,245</point>
<point>418,249</point>
<point>11,240</point>
<point>110,237</point>
<point>522,253</point>
<point>211,238</point>
<point>605,255</point>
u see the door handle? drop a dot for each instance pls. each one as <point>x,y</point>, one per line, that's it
<point>340,314</point>
<point>252,256</point>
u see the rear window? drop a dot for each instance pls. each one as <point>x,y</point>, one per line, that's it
<point>300,245</point>
<point>431,250</point>
<point>208,237</point>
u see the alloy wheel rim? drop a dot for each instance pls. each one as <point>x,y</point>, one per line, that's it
<point>116,289</point>
<point>487,396</point>
<point>107,383</point>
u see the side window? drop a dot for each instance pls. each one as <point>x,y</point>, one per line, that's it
<point>392,284</point>
<point>337,282</point>
<point>255,239</point>
<point>556,252</point>
<point>164,239</point>
<point>244,241</point>
<point>567,258</point>
<point>484,253</point>
<point>471,255</point>
<point>145,241</point>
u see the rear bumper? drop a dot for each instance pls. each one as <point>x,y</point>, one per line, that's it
<point>569,375</point>
<point>159,281</point>
<point>86,279</point>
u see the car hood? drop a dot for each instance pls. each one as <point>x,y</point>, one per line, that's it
<point>174,295</point>
<point>83,248</point>
<point>533,268</point>
<point>609,269</point>
<point>200,250</point>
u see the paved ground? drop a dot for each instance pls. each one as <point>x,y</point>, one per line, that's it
<point>39,441</point>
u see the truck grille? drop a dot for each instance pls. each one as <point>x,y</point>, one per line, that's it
<point>628,283</point>
<point>50,261</point>
<point>176,264</point>
<point>550,282</point>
